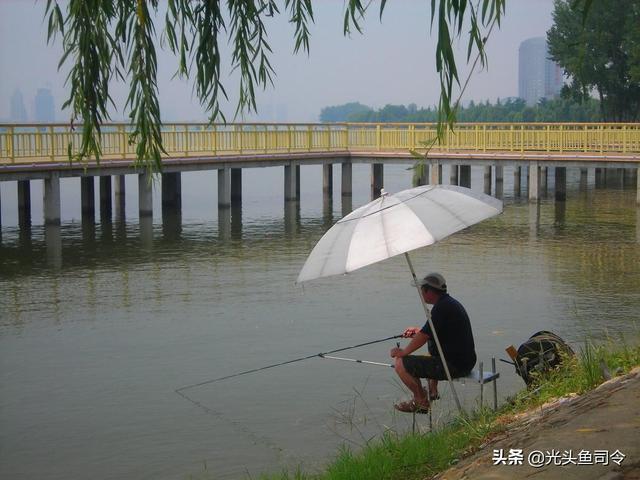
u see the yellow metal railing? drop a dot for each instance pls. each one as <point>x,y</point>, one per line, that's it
<point>49,143</point>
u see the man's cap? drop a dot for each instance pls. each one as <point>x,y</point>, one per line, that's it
<point>434,280</point>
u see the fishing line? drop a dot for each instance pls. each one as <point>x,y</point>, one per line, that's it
<point>237,425</point>
<point>253,370</point>
<point>241,427</point>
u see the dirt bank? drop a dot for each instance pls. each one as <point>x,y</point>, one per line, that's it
<point>572,438</point>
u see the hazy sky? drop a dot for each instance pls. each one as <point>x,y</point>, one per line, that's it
<point>392,62</point>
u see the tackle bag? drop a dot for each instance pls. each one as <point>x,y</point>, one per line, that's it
<point>540,353</point>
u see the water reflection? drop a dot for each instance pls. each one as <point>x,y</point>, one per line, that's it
<point>534,219</point>
<point>224,224</point>
<point>53,240</point>
<point>560,213</point>
<point>24,237</point>
<point>327,210</point>
<point>291,217</point>
<point>561,184</point>
<point>146,232</point>
<point>106,230</point>
<point>236,219</point>
<point>171,224</point>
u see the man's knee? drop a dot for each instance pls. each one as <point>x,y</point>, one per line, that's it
<point>399,365</point>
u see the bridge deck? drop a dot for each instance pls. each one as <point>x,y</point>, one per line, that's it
<point>37,148</point>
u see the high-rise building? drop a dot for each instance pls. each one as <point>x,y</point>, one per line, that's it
<point>17,110</point>
<point>538,75</point>
<point>45,111</point>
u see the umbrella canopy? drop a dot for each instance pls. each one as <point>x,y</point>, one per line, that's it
<point>395,224</point>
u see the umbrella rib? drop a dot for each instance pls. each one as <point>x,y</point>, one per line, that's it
<point>324,265</point>
<point>450,212</point>
<point>342,220</point>
<point>384,230</point>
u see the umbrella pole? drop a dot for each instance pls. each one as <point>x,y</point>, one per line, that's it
<point>435,334</point>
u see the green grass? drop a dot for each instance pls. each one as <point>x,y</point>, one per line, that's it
<point>404,456</point>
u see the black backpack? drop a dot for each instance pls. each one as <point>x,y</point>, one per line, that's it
<point>540,353</point>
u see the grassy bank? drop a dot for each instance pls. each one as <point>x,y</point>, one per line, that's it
<point>418,456</point>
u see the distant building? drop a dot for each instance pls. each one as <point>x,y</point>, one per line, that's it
<point>538,76</point>
<point>45,111</point>
<point>17,111</point>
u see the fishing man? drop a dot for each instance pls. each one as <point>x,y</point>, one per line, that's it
<point>452,325</point>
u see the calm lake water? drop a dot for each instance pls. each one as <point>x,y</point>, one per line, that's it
<point>99,328</point>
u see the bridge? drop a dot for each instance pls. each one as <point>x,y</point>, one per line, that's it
<point>40,151</point>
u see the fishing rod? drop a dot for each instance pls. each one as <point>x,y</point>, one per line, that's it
<point>253,370</point>
<point>356,360</point>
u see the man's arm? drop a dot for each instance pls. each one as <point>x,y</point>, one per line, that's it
<point>418,340</point>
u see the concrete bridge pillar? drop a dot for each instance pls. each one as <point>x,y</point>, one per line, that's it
<point>224,188</point>
<point>620,177</point>
<point>298,182</point>
<point>145,196</point>
<point>346,179</point>
<point>544,173</point>
<point>52,199</point>
<point>87,198</point>
<point>517,180</point>
<point>435,173</point>
<point>534,182</point>
<point>105,198</point>
<point>584,177</point>
<point>638,186</point>
<point>499,169</point>
<point>236,186</point>
<point>422,174</point>
<point>24,203</point>
<point>291,185</point>
<point>377,179</point>
<point>465,176</point>
<point>487,180</point>
<point>561,184</point>
<point>629,177</point>
<point>327,180</point>
<point>171,191</point>
<point>120,196</point>
<point>454,178</point>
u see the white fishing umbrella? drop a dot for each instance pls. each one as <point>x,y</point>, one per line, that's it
<point>396,224</point>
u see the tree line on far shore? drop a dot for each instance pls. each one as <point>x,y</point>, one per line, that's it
<point>597,45</point>
<point>506,110</point>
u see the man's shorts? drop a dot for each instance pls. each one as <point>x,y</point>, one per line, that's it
<point>427,366</point>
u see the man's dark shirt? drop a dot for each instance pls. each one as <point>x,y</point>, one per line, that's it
<point>452,324</point>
